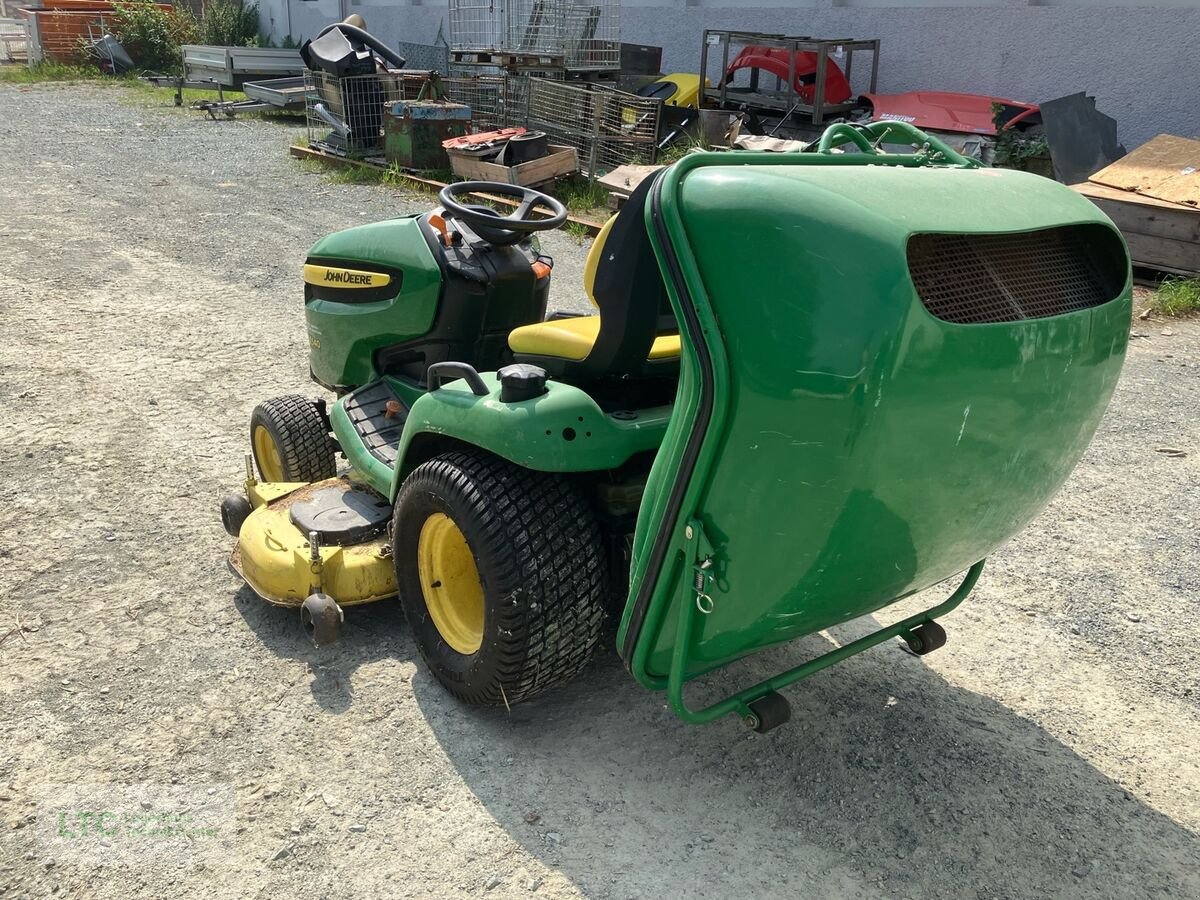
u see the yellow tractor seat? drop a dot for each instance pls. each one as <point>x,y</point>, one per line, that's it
<point>574,338</point>
<point>635,334</point>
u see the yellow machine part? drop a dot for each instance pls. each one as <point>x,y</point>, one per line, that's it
<point>687,91</point>
<point>592,263</point>
<point>450,583</point>
<point>574,338</point>
<point>274,557</point>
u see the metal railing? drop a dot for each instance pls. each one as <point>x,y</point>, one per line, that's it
<point>14,40</point>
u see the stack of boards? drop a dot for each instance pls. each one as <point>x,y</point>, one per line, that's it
<point>1153,196</point>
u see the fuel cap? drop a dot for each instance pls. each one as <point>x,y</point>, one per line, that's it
<point>521,381</point>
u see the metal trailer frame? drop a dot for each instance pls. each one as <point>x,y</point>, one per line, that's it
<point>784,99</point>
<point>234,66</point>
<point>180,83</point>
<point>279,94</point>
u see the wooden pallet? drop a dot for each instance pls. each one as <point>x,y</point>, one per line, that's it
<point>1161,235</point>
<point>592,228</point>
<point>507,60</point>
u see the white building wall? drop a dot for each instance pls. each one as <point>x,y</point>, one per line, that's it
<point>1138,60</point>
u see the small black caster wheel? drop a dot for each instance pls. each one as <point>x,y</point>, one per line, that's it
<point>234,510</point>
<point>926,638</point>
<point>769,711</point>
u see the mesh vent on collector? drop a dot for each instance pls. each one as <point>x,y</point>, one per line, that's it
<point>978,278</point>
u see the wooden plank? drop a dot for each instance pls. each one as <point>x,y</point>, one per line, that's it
<point>1152,222</point>
<point>1160,235</point>
<point>1166,167</point>
<point>560,161</point>
<point>593,228</point>
<point>623,179</point>
<point>1163,253</point>
<point>1092,190</point>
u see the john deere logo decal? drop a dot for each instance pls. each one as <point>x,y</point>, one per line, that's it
<point>344,278</point>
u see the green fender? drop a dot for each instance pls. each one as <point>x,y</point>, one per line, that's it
<point>561,431</point>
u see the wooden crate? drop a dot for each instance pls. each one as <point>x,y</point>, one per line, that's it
<point>1161,235</point>
<point>559,161</point>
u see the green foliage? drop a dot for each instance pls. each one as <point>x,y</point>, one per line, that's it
<point>45,71</point>
<point>1177,297</point>
<point>1018,149</point>
<point>352,174</point>
<point>578,194</point>
<point>230,23</point>
<point>678,149</point>
<point>1015,151</point>
<point>152,36</point>
<point>578,231</point>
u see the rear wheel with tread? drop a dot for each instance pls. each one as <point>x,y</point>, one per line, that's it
<point>290,440</point>
<point>501,574</point>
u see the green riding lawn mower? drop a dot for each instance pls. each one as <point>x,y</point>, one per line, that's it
<point>816,383</point>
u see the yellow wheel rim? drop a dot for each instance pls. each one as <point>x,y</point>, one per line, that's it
<point>450,583</point>
<point>266,454</point>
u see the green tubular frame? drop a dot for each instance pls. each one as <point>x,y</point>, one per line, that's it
<point>866,137</point>
<point>740,702</point>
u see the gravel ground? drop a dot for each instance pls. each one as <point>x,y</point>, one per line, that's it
<point>151,297</point>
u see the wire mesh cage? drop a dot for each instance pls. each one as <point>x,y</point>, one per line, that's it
<point>477,24</point>
<point>346,115</point>
<point>584,34</point>
<point>489,98</point>
<point>517,92</point>
<point>607,127</point>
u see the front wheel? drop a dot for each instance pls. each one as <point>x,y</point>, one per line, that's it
<point>501,574</point>
<point>291,441</point>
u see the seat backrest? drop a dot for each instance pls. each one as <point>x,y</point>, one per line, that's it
<point>631,296</point>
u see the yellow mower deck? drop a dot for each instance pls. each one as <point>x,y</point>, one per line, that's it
<point>274,557</point>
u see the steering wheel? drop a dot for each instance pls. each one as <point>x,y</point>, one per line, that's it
<point>489,224</point>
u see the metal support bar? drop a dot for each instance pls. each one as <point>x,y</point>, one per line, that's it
<point>740,702</point>
<point>865,138</point>
<point>818,116</point>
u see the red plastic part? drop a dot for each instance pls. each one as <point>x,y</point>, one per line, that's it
<point>482,137</point>
<point>775,60</point>
<point>945,111</point>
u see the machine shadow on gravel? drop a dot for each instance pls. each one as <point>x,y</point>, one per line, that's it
<point>371,632</point>
<point>887,777</point>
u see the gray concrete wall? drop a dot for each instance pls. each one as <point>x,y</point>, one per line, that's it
<point>1139,62</point>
